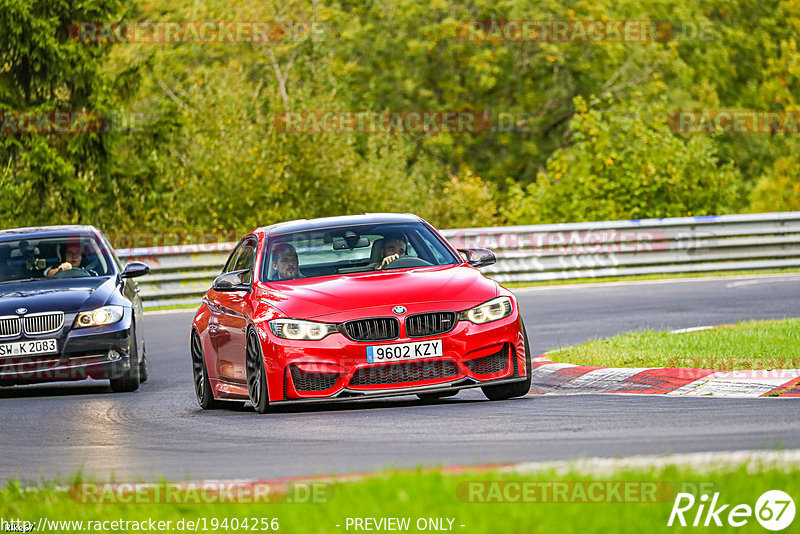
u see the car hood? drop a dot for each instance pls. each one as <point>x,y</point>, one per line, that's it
<point>68,295</point>
<point>337,297</point>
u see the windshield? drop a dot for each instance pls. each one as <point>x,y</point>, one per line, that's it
<point>76,256</point>
<point>353,249</point>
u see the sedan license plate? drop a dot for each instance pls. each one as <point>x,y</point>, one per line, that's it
<point>26,348</point>
<point>404,351</point>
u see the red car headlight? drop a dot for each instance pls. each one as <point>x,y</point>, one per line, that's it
<point>493,310</point>
<point>301,330</point>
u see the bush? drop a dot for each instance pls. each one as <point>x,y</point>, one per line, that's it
<point>779,188</point>
<point>624,165</point>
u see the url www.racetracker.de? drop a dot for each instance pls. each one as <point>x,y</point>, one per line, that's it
<point>200,524</point>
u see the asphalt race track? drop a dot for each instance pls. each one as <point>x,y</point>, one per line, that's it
<point>56,430</point>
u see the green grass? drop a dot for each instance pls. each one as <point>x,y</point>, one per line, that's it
<point>605,279</point>
<point>746,345</point>
<point>431,494</point>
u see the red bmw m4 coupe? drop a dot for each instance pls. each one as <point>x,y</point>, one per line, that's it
<point>353,307</point>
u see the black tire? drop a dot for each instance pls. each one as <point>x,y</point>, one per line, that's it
<point>143,365</point>
<point>130,380</point>
<point>516,389</point>
<point>256,374</point>
<point>202,386</point>
<point>436,396</point>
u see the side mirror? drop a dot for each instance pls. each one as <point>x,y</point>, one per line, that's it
<point>478,257</point>
<point>134,269</point>
<point>233,281</point>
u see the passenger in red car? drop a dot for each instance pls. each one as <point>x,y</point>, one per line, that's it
<point>285,262</point>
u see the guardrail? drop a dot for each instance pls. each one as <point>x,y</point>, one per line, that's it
<point>181,274</point>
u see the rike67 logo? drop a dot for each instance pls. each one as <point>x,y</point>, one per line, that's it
<point>774,510</point>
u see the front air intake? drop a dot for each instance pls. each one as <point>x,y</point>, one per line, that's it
<point>9,326</point>
<point>44,323</point>
<point>375,329</point>
<point>430,324</point>
<point>404,372</point>
<point>486,365</point>
<point>304,381</point>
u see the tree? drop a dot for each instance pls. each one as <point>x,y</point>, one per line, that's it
<point>625,165</point>
<point>62,177</point>
<point>778,189</point>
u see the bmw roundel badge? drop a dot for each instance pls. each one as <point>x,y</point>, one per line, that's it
<point>399,310</point>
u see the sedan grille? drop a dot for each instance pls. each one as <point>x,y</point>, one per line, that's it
<point>376,329</point>
<point>493,363</point>
<point>9,326</point>
<point>430,324</point>
<point>304,381</point>
<point>43,323</point>
<point>404,372</point>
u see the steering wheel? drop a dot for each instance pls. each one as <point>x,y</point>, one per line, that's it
<point>406,261</point>
<point>75,272</point>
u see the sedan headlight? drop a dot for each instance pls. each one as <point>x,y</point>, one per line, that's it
<point>487,312</point>
<point>99,316</point>
<point>297,329</point>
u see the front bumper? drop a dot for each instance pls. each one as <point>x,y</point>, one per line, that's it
<point>352,395</point>
<point>97,353</point>
<point>336,367</point>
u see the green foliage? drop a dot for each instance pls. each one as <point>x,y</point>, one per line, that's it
<point>623,165</point>
<point>205,154</point>
<point>50,178</point>
<point>466,201</point>
<point>779,188</point>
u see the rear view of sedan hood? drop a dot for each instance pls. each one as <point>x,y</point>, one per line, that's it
<point>48,295</point>
<point>334,296</point>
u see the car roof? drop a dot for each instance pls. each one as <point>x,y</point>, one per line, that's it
<point>47,231</point>
<point>301,225</point>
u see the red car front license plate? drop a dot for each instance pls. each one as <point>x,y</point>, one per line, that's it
<point>404,351</point>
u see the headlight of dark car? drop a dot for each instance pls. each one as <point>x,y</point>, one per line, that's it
<point>493,310</point>
<point>297,329</point>
<point>99,316</point>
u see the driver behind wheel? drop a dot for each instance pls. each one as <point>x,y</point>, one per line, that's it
<point>73,256</point>
<point>285,263</point>
<point>394,246</point>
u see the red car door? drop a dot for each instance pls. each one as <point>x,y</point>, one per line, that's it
<point>232,317</point>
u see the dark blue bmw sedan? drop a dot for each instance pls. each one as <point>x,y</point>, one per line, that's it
<point>68,310</point>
